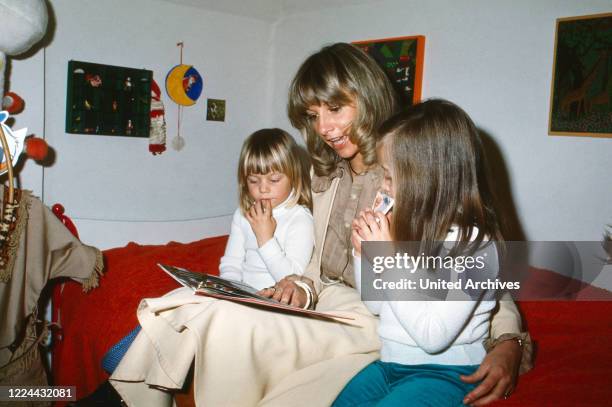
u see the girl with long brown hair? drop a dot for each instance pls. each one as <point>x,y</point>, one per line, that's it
<point>435,171</point>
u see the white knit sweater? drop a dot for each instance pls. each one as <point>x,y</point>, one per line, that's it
<point>288,252</point>
<point>432,332</point>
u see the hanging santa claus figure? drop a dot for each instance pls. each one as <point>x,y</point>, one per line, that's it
<point>157,131</point>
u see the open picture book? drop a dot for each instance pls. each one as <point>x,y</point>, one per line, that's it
<point>217,287</point>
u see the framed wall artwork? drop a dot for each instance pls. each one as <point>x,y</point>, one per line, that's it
<point>402,59</point>
<point>108,100</point>
<point>215,110</point>
<point>581,90</point>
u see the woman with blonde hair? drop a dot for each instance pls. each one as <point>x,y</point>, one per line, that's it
<point>338,99</point>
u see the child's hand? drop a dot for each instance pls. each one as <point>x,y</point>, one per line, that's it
<point>369,226</point>
<point>261,220</point>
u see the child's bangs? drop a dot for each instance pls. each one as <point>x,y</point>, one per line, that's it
<point>263,161</point>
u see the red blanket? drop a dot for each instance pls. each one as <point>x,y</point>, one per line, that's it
<point>93,322</point>
<point>573,363</point>
<point>572,368</point>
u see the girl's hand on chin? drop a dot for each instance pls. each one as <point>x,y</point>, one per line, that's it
<point>261,220</point>
<point>372,226</point>
<point>356,241</point>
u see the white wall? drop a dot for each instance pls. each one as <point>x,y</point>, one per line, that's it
<point>107,182</point>
<point>493,58</point>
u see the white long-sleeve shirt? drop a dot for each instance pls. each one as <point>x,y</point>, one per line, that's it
<point>288,252</point>
<point>437,332</point>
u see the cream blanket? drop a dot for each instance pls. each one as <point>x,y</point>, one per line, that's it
<point>245,356</point>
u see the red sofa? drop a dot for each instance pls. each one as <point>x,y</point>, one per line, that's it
<point>573,364</point>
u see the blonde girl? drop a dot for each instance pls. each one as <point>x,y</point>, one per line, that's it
<point>272,232</point>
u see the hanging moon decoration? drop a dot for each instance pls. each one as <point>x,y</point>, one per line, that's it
<point>184,85</point>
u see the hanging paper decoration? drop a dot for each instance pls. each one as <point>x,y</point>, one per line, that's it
<point>184,85</point>
<point>157,131</point>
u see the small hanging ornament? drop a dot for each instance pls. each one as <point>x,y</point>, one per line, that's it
<point>178,143</point>
<point>183,82</point>
<point>184,86</point>
<point>157,129</point>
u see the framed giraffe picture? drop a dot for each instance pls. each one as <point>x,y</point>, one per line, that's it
<point>581,90</point>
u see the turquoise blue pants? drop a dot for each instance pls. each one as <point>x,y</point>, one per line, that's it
<point>393,385</point>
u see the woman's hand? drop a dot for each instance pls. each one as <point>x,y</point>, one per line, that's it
<point>369,226</point>
<point>287,292</point>
<point>261,220</point>
<point>498,372</point>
